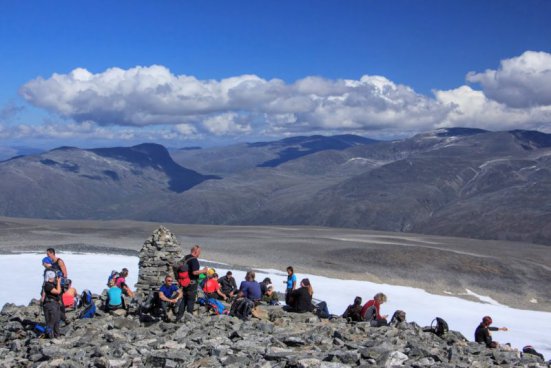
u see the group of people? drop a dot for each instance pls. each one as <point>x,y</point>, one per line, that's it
<point>179,293</point>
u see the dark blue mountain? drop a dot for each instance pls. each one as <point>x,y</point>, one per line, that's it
<point>157,157</point>
<point>458,131</point>
<point>531,139</point>
<point>295,147</point>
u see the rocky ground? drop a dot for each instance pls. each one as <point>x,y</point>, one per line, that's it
<point>280,339</point>
<point>515,274</point>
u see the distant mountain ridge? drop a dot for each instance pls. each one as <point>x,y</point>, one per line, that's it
<point>456,181</point>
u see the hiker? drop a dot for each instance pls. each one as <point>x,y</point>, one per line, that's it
<point>54,263</point>
<point>264,285</point>
<point>300,300</point>
<point>194,270</point>
<point>250,288</point>
<point>482,333</point>
<point>228,285</point>
<point>529,349</point>
<point>115,300</point>
<point>212,288</point>
<point>353,312</point>
<point>270,296</point>
<point>291,283</point>
<point>69,297</point>
<point>120,282</point>
<point>371,311</point>
<point>51,305</point>
<point>170,296</point>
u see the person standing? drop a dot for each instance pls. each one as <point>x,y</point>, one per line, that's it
<point>51,305</point>
<point>194,270</point>
<point>291,283</point>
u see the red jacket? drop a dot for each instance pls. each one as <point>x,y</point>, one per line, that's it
<point>369,304</point>
<point>211,285</point>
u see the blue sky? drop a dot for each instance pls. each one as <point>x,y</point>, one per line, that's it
<point>214,72</point>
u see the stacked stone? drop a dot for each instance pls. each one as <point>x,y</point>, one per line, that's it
<point>158,255</point>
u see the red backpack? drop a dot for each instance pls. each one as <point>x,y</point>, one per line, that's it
<point>182,273</point>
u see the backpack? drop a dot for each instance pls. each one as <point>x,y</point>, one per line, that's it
<point>216,306</point>
<point>113,276</point>
<point>242,308</point>
<point>440,328</point>
<point>182,272</point>
<point>86,301</point>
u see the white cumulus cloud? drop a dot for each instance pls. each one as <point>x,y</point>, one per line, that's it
<point>523,81</point>
<point>515,96</point>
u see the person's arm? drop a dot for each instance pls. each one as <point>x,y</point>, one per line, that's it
<point>63,268</point>
<point>498,329</point>
<point>163,297</point>
<point>179,296</point>
<point>233,284</point>
<point>127,290</point>
<point>219,292</point>
<point>57,289</point>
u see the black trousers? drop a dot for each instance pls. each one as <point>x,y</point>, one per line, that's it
<point>190,295</point>
<point>52,312</point>
<point>178,308</point>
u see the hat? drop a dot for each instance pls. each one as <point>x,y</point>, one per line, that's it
<point>269,286</point>
<point>49,275</point>
<point>210,272</point>
<point>305,282</point>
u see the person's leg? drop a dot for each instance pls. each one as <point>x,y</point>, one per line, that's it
<point>50,321</point>
<point>165,306</point>
<point>179,309</point>
<point>190,297</point>
<point>57,319</point>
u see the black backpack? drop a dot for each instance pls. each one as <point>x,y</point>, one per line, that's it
<point>242,308</point>
<point>439,327</point>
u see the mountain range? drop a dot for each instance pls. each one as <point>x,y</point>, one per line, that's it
<point>456,181</point>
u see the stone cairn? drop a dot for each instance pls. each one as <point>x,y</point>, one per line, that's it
<point>158,255</point>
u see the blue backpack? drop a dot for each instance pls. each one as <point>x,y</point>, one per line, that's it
<point>86,301</point>
<point>216,306</point>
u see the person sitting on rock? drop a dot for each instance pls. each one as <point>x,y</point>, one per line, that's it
<point>371,311</point>
<point>115,300</point>
<point>353,312</point>
<point>212,288</point>
<point>300,300</point>
<point>51,303</point>
<point>228,286</point>
<point>270,296</point>
<point>170,296</point>
<point>264,285</point>
<point>482,334</point>
<point>250,288</point>
<point>120,282</point>
<point>69,296</point>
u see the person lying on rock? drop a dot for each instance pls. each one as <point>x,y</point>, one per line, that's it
<point>212,288</point>
<point>250,288</point>
<point>353,312</point>
<point>300,300</point>
<point>171,296</point>
<point>482,334</point>
<point>371,311</point>
<point>228,285</point>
